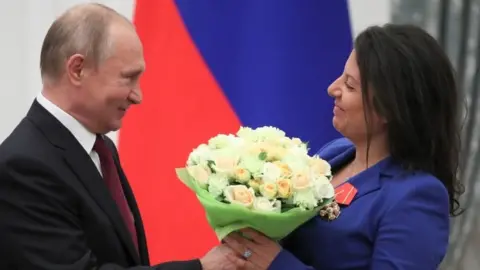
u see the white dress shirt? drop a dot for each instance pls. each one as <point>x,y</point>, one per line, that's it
<point>83,136</point>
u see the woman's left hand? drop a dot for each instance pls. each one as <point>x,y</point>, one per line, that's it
<point>259,251</point>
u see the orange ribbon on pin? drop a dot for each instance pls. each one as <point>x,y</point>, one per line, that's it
<point>345,193</point>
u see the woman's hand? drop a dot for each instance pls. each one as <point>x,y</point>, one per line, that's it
<point>258,251</point>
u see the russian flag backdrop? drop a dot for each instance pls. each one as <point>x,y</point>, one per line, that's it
<point>213,65</point>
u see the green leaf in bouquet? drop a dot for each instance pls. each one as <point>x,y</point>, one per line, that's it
<point>227,218</point>
<point>211,165</point>
<point>262,155</point>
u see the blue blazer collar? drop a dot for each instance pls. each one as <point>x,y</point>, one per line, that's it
<point>368,180</point>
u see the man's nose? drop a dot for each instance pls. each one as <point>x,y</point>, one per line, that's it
<point>136,96</point>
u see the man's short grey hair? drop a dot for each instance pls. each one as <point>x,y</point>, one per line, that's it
<point>83,29</point>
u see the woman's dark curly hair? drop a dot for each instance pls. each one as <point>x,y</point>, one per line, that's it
<point>412,84</point>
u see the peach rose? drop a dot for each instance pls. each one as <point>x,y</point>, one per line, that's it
<point>240,194</point>
<point>301,181</point>
<point>225,164</point>
<point>242,175</point>
<point>284,188</point>
<point>319,166</point>
<point>286,171</point>
<point>268,190</point>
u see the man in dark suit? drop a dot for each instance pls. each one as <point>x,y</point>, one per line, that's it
<point>65,202</point>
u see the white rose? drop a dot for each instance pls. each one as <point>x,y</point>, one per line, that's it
<point>323,189</point>
<point>200,174</point>
<point>264,204</point>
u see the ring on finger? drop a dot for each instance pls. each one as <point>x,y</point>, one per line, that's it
<point>247,254</point>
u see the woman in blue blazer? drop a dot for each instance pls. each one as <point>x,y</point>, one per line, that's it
<point>396,104</point>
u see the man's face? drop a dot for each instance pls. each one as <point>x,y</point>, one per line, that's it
<point>107,92</point>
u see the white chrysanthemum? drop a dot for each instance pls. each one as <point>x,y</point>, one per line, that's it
<point>223,141</point>
<point>253,164</point>
<point>284,142</point>
<point>199,155</point>
<point>247,134</point>
<point>296,165</point>
<point>271,172</point>
<point>298,151</point>
<point>305,199</point>
<point>269,133</point>
<point>216,184</point>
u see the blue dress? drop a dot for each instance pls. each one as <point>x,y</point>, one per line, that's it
<point>397,220</point>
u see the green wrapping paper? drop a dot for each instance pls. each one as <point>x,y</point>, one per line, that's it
<point>225,218</point>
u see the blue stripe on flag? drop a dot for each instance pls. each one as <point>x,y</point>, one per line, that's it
<point>274,59</point>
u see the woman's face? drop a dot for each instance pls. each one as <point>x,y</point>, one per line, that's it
<point>348,112</point>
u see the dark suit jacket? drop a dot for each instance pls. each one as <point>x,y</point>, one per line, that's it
<point>55,210</point>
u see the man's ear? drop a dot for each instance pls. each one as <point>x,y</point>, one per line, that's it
<point>75,67</point>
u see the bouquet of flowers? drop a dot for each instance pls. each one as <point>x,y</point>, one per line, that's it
<point>259,178</point>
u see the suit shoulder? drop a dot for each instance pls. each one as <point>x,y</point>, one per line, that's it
<point>417,185</point>
<point>417,181</point>
<point>334,148</point>
<point>24,141</point>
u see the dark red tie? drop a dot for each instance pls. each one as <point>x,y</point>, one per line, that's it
<point>110,175</point>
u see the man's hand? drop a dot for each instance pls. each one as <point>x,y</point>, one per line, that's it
<point>221,258</point>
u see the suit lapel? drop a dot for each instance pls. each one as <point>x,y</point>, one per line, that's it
<point>82,165</point>
<point>86,171</point>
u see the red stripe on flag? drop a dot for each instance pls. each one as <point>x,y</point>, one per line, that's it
<point>183,106</point>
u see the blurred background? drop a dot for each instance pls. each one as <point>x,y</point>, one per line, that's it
<point>255,63</point>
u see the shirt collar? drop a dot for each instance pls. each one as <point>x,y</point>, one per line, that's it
<point>83,135</point>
